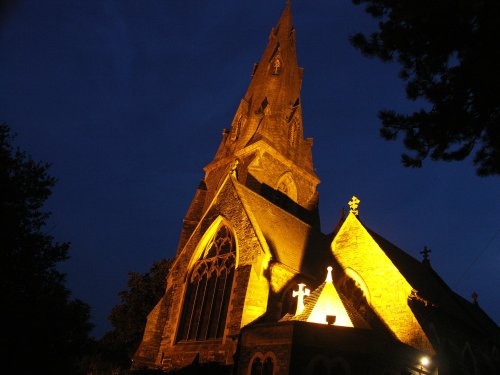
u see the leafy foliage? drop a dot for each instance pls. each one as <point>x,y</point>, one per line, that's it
<point>128,319</point>
<point>448,51</point>
<point>45,331</point>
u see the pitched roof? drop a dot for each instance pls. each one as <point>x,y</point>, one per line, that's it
<point>434,291</point>
<point>292,242</point>
<point>326,300</point>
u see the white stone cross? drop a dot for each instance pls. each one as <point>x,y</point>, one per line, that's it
<point>300,301</point>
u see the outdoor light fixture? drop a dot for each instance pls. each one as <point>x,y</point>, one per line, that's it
<point>330,319</point>
<point>424,361</point>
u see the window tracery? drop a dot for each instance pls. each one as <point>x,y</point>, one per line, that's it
<point>208,291</point>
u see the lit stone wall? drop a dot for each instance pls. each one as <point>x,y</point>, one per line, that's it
<point>269,167</point>
<point>249,294</point>
<point>148,349</point>
<point>256,297</point>
<point>389,290</point>
<point>280,277</point>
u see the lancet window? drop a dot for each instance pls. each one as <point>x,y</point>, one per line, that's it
<point>293,133</point>
<point>236,128</point>
<point>209,289</point>
<point>277,65</point>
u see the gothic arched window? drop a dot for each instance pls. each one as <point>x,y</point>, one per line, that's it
<point>209,289</point>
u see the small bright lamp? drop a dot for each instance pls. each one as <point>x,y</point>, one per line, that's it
<point>424,361</point>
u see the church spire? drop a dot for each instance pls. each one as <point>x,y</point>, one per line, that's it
<point>266,134</point>
<point>270,109</point>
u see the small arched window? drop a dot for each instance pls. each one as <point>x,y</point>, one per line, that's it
<point>256,367</point>
<point>208,289</point>
<point>268,367</point>
<point>277,65</point>
<point>276,62</point>
<point>261,365</point>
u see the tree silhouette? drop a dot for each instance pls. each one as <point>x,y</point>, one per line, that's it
<point>44,331</point>
<point>128,319</point>
<point>448,51</point>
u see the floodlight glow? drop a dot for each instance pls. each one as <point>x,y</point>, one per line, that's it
<point>424,361</point>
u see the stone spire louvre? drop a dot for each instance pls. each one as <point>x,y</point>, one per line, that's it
<point>270,109</point>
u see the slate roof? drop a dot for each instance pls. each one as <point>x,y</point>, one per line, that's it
<point>447,304</point>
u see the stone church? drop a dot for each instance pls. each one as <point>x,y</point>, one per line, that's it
<point>257,287</point>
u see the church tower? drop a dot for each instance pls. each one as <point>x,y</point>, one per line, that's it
<point>266,139</point>
<point>251,227</point>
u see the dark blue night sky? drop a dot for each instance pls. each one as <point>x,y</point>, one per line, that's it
<point>127,100</point>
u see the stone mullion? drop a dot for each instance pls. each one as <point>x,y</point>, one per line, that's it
<point>187,323</point>
<point>225,304</point>
<point>194,319</point>
<point>214,323</point>
<point>205,320</point>
<point>187,310</point>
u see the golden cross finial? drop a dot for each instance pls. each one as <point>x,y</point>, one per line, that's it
<point>353,205</point>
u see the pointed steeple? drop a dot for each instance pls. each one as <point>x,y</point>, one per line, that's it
<point>266,133</point>
<point>271,109</point>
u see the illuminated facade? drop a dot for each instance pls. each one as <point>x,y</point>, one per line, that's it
<point>251,236</point>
